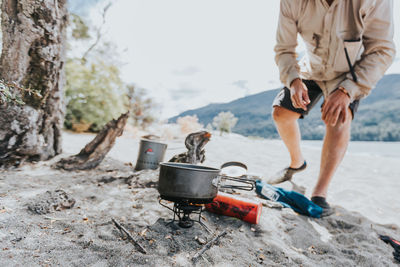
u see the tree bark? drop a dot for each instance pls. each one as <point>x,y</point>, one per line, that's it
<point>32,56</point>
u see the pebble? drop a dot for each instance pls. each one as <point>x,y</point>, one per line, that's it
<point>260,258</point>
<point>137,206</point>
<point>143,232</point>
<point>201,241</point>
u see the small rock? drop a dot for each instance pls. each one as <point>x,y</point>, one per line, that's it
<point>177,232</point>
<point>311,249</point>
<point>201,241</point>
<point>143,232</point>
<point>17,239</point>
<point>260,258</point>
<point>51,201</point>
<point>252,229</point>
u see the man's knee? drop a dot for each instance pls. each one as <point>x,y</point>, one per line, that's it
<point>341,124</point>
<point>339,129</point>
<point>282,114</point>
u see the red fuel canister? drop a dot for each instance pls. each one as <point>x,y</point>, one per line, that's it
<point>244,209</point>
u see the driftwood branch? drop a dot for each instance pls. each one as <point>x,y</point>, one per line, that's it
<point>195,143</point>
<point>130,237</point>
<point>95,151</point>
<point>208,246</point>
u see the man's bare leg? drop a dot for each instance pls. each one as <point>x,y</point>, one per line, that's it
<point>288,129</point>
<point>334,148</point>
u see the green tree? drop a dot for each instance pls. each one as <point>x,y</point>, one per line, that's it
<point>95,94</point>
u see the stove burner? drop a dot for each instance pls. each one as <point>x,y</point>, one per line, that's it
<point>182,211</point>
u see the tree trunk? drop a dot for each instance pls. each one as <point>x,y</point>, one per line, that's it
<point>32,56</point>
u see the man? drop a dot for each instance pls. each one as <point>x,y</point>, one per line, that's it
<point>349,46</point>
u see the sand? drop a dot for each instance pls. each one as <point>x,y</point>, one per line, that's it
<point>363,193</point>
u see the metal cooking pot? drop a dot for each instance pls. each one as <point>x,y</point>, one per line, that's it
<point>194,183</point>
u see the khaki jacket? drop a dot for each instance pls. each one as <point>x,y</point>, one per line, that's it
<point>364,27</point>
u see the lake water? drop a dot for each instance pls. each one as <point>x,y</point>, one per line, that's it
<point>384,149</point>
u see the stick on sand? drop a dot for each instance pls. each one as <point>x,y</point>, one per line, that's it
<point>130,237</point>
<point>208,246</point>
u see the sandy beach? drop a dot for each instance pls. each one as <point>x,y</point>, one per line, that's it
<point>363,192</point>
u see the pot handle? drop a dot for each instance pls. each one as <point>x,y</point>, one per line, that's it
<point>249,184</point>
<point>234,163</point>
<point>216,181</point>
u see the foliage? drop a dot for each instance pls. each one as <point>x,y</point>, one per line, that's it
<point>80,31</point>
<point>141,107</point>
<point>7,94</point>
<point>209,127</point>
<point>95,94</point>
<point>189,124</point>
<point>224,122</point>
<point>11,92</point>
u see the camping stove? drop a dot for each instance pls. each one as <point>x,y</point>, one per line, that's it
<point>182,210</point>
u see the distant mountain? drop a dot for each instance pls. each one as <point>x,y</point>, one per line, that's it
<point>378,117</point>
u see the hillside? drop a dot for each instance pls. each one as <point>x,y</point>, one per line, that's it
<point>378,117</point>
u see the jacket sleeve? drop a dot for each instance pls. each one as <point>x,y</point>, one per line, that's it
<point>379,50</point>
<point>286,42</point>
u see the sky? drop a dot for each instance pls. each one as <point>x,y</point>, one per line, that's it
<point>189,53</point>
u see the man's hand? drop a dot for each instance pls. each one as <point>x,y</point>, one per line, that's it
<point>336,108</point>
<point>299,94</point>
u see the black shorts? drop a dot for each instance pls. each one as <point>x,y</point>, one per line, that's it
<point>314,93</point>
